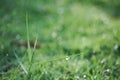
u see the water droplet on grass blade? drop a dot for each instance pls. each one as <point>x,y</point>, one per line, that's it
<point>84,76</point>
<point>67,58</point>
<point>107,73</point>
<point>107,70</point>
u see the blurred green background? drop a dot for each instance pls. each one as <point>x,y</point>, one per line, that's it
<point>78,39</point>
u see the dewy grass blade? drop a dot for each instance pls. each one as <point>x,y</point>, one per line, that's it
<point>22,66</point>
<point>28,40</point>
<point>57,59</point>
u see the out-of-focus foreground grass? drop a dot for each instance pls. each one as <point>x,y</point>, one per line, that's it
<point>79,40</point>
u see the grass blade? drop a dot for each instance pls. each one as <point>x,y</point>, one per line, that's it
<point>22,66</point>
<point>28,40</point>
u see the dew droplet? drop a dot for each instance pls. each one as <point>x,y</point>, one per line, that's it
<point>84,76</point>
<point>107,70</point>
<point>67,58</point>
<point>107,73</point>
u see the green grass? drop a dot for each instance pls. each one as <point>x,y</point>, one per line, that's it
<point>78,42</point>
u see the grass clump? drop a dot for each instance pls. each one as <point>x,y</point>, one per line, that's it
<point>77,42</point>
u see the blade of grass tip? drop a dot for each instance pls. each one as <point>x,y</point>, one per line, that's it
<point>35,42</point>
<point>28,40</point>
<point>22,66</point>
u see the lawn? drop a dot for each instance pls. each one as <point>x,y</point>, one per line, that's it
<point>59,40</point>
